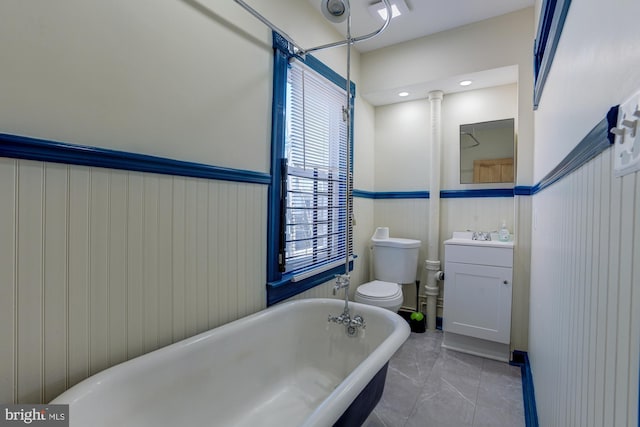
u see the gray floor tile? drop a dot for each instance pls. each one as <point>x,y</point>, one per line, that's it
<point>491,417</point>
<point>428,386</point>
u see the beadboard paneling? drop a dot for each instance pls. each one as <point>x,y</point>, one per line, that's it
<point>98,266</point>
<point>8,282</point>
<point>478,214</point>
<point>521,274</point>
<point>585,327</point>
<point>407,218</point>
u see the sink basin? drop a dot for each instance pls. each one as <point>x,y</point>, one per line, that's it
<point>466,238</point>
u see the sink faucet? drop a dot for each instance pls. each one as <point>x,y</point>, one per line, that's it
<point>481,235</point>
<point>351,324</point>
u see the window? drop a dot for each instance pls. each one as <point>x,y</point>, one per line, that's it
<point>308,241</point>
<point>552,17</point>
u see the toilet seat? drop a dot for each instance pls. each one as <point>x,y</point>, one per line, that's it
<point>379,293</point>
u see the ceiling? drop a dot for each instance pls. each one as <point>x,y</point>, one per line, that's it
<point>427,17</point>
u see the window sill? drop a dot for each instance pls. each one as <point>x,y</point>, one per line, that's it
<point>286,288</point>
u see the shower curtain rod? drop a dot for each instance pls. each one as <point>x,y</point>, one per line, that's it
<point>346,109</point>
<point>298,50</point>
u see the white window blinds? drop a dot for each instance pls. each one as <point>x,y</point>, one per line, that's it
<point>316,173</point>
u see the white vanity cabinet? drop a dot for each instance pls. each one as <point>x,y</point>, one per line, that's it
<point>477,297</point>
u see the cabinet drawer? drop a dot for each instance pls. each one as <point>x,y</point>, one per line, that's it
<point>499,257</point>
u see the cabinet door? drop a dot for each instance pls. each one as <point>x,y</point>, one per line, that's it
<point>493,170</point>
<point>477,301</point>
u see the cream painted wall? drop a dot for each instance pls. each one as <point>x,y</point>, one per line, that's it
<point>164,78</point>
<point>402,135</point>
<point>500,102</point>
<point>102,265</point>
<point>584,323</point>
<point>593,69</point>
<point>402,159</point>
<point>476,47</point>
<point>181,79</point>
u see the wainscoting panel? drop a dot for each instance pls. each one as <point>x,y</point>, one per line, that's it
<point>98,266</point>
<point>408,218</point>
<point>8,270</point>
<point>521,274</point>
<point>585,337</point>
<point>478,214</point>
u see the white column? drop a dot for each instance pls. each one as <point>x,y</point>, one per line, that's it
<point>432,264</point>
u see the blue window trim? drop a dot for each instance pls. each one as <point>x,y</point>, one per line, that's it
<point>280,285</point>
<point>552,18</point>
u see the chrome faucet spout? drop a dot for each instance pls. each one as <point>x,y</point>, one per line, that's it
<point>342,282</point>
<point>352,325</point>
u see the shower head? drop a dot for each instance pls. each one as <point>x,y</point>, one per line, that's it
<point>335,11</point>
<point>474,142</point>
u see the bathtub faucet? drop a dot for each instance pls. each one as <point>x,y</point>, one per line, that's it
<point>342,282</point>
<point>351,324</point>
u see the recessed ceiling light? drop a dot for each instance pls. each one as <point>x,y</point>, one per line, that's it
<point>465,82</point>
<point>398,7</point>
<point>394,12</point>
<point>403,94</point>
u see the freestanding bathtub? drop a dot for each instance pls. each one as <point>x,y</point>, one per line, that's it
<point>284,366</point>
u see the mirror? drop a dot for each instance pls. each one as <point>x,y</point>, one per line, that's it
<point>486,152</point>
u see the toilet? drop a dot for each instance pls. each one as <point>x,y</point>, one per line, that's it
<point>395,262</point>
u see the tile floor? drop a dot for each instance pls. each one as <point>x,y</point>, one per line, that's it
<point>428,386</point>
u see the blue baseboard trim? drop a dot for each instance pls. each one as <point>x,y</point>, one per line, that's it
<point>22,147</point>
<point>521,358</point>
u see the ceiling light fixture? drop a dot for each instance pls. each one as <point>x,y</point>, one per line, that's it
<point>403,94</point>
<point>465,82</point>
<point>398,7</point>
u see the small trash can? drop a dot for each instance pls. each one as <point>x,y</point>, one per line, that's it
<point>418,322</point>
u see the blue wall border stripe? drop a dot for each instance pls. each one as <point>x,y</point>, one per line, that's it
<point>595,142</point>
<point>22,147</point>
<point>445,194</point>
<point>390,194</point>
<point>523,191</point>
<point>466,194</point>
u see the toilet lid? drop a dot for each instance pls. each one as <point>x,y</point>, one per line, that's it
<point>379,290</point>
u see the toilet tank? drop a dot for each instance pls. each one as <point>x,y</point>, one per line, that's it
<point>395,260</point>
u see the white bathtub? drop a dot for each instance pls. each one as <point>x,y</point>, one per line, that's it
<point>284,366</point>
